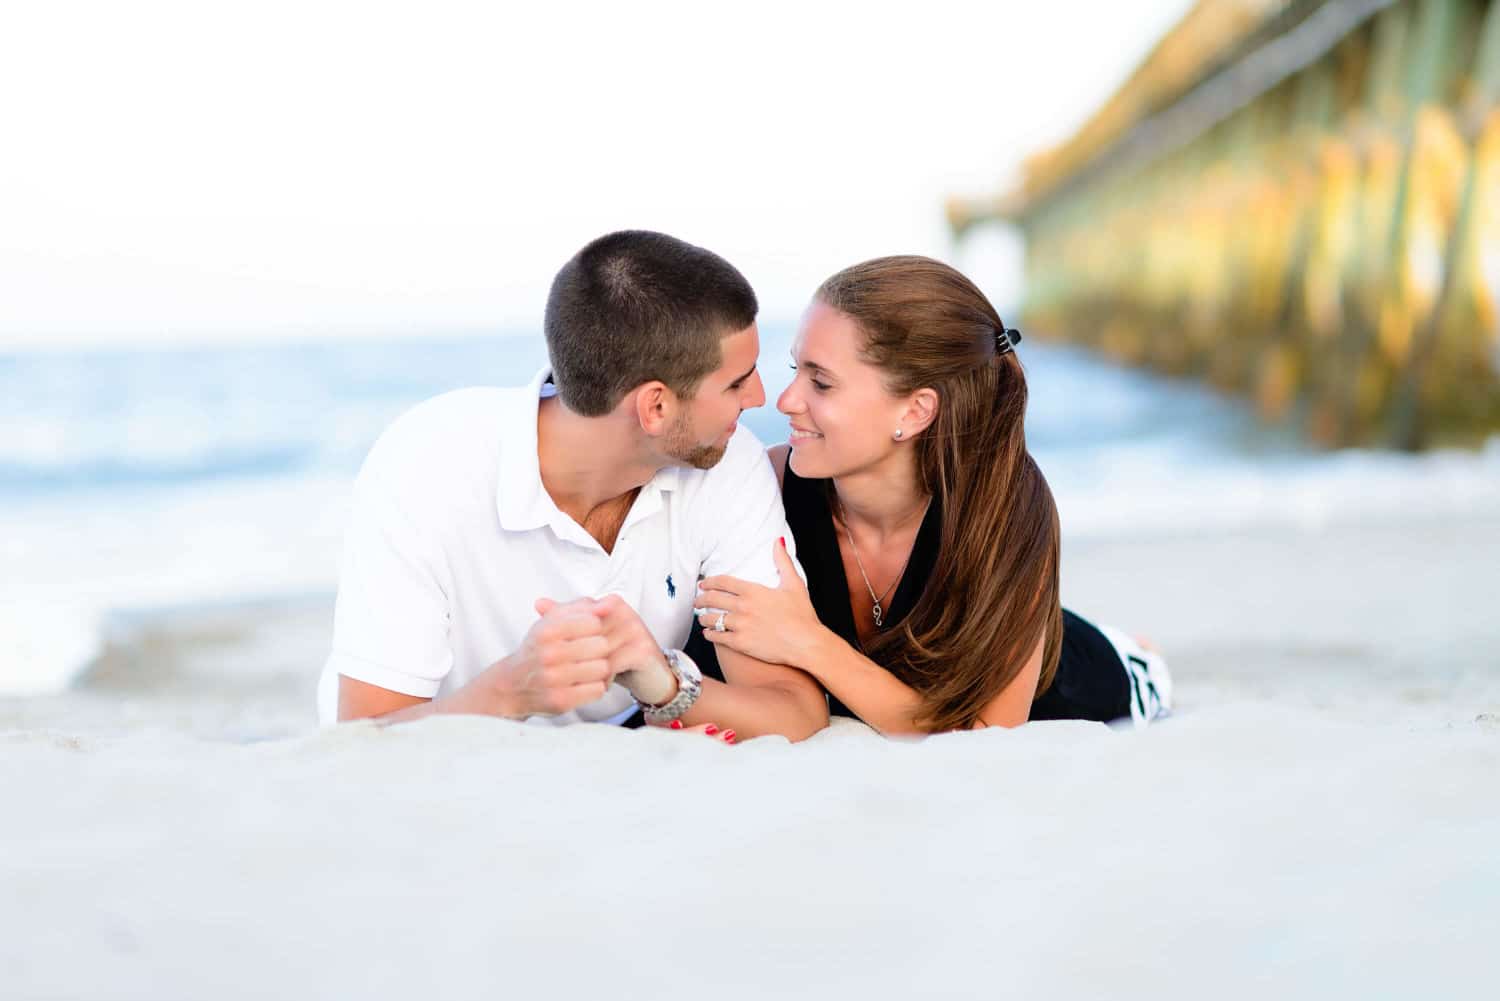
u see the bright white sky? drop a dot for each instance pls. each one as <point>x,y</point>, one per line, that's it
<point>202,169</point>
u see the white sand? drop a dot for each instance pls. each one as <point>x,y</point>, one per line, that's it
<point>1320,819</point>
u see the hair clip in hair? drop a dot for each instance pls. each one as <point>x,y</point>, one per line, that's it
<point>1006,340</point>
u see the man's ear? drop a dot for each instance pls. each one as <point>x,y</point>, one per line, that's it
<point>921,410</point>
<point>655,407</point>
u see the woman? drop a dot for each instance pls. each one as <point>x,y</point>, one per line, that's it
<point>928,534</point>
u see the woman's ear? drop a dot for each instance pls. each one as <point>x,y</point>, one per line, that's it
<point>921,411</point>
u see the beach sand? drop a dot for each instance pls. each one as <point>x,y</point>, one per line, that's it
<point>1319,818</point>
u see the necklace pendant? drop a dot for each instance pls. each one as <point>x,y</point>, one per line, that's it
<point>877,612</point>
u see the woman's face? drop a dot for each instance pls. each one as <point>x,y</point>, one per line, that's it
<point>842,418</point>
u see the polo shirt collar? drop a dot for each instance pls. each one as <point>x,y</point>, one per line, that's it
<point>522,501</point>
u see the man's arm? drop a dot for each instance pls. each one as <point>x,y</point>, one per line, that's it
<point>561,664</point>
<point>756,697</point>
<point>791,701</point>
<point>391,645</point>
<point>759,699</point>
<point>362,700</point>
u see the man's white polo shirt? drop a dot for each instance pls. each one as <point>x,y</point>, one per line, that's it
<point>453,538</point>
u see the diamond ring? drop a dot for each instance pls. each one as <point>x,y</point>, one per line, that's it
<point>719,623</point>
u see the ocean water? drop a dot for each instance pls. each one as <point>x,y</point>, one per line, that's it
<point>136,480</point>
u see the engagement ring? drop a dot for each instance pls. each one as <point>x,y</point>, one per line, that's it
<point>719,623</point>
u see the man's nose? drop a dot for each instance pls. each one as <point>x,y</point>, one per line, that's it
<point>755,393</point>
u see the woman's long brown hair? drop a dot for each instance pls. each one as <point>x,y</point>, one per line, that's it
<point>994,588</point>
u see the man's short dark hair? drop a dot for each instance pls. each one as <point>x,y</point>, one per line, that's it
<point>634,306</point>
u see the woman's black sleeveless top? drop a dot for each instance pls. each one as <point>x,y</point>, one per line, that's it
<point>810,518</point>
<point>1090,683</point>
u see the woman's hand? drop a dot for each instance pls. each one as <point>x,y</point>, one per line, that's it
<point>707,729</point>
<point>773,624</point>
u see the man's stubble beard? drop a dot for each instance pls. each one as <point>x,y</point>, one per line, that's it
<point>683,447</point>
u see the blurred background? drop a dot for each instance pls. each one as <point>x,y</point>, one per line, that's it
<point>1253,245</point>
<point>1298,201</point>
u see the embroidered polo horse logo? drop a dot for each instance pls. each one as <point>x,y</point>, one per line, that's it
<point>671,588</point>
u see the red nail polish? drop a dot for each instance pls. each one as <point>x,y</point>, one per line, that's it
<point>677,724</point>
<point>783,542</point>
<point>710,729</point>
<point>729,736</point>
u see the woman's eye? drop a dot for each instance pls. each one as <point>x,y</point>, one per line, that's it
<point>821,387</point>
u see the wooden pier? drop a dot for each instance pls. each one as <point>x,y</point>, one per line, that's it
<point>1297,201</point>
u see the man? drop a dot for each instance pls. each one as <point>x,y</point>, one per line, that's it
<point>534,553</point>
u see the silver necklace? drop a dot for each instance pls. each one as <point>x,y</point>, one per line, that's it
<point>878,611</point>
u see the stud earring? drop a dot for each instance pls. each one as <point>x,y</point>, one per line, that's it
<point>897,435</point>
